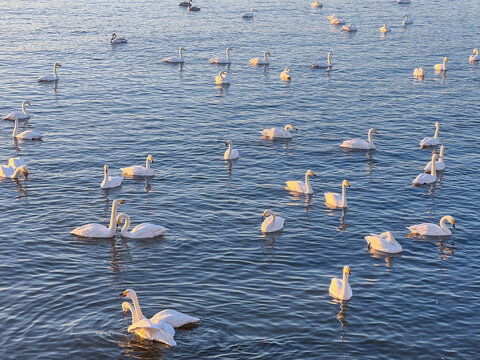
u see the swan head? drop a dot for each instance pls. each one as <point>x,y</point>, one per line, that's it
<point>345,183</point>
<point>229,48</point>
<point>125,306</point>
<point>228,143</point>
<point>445,59</point>
<point>105,167</point>
<point>118,202</point>
<point>122,217</point>
<point>346,270</point>
<point>267,213</point>
<point>114,36</point>
<point>290,127</point>
<point>436,124</point>
<point>475,51</point>
<point>310,173</point>
<point>266,53</point>
<point>129,293</point>
<point>372,130</point>
<point>23,170</point>
<point>451,219</point>
<point>149,157</point>
<point>57,65</point>
<point>182,48</point>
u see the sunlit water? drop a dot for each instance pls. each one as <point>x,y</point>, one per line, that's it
<point>259,297</point>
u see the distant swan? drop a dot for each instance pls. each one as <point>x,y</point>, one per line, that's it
<point>300,186</point>
<point>335,20</point>
<point>337,200</point>
<point>110,181</point>
<point>221,60</point>
<point>403,1</point>
<point>24,115</point>
<point>12,173</point>
<point>360,143</point>
<point>424,178</point>
<point>25,135</point>
<point>316,4</point>
<point>442,66</point>
<point>418,73</point>
<point>341,289</point>
<point>475,56</point>
<point>385,242</point>
<point>185,3</point>
<point>175,59</point>
<point>349,28</point>
<point>230,154</point>
<point>285,75</point>
<point>248,15</point>
<point>53,77</point>
<point>429,141</point>
<point>277,133</point>
<point>429,229</point>
<point>141,231</point>
<point>138,170</point>
<point>323,63</point>
<point>384,29</point>
<point>439,165</point>
<point>260,61</point>
<point>272,222</point>
<point>222,78</point>
<point>406,20</point>
<point>116,40</point>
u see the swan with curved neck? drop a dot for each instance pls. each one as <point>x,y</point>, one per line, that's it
<point>285,74</point>
<point>116,40</point>
<point>439,165</point>
<point>475,56</point>
<point>385,243</point>
<point>98,230</point>
<point>406,20</point>
<point>50,77</point>
<point>341,289</point>
<point>222,78</point>
<point>272,222</point>
<point>424,178</point>
<point>336,200</point>
<point>230,154</point>
<point>24,115</point>
<point>442,66</point>
<point>384,29</point>
<point>323,63</point>
<point>300,186</point>
<point>429,141</point>
<point>221,60</point>
<point>25,135</point>
<point>175,59</point>
<point>138,170</point>
<point>141,231</point>
<point>110,181</point>
<point>12,172</point>
<point>429,229</point>
<point>248,15</point>
<point>260,61</point>
<point>360,143</point>
<point>277,133</point>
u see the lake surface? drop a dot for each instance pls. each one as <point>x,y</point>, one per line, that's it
<point>259,296</point>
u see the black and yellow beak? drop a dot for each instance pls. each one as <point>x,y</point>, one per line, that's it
<point>124,312</point>
<point>347,184</point>
<point>313,174</point>
<point>375,131</point>
<point>453,223</point>
<point>122,201</point>
<point>124,294</point>
<point>118,222</point>
<point>349,272</point>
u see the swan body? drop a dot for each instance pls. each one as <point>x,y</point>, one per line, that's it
<point>25,135</point>
<point>272,222</point>
<point>193,8</point>
<point>316,4</point>
<point>300,186</point>
<point>285,74</point>
<point>24,115</point>
<point>261,61</point>
<point>475,56</point>
<point>116,40</point>
<point>439,165</point>
<point>98,230</point>
<point>337,200</point>
<point>341,289</point>
<point>277,133</point>
<point>335,20</point>
<point>360,143</point>
<point>175,59</point>
<point>110,181</point>
<point>418,73</point>
<point>221,60</point>
<point>230,154</point>
<point>442,66</point>
<point>429,141</point>
<point>248,15</point>
<point>13,173</point>
<point>222,78</point>
<point>385,242</point>
<point>138,170</point>
<point>384,29</point>
<point>141,231</point>
<point>16,162</point>
<point>424,178</point>
<point>349,28</point>
<point>185,3</point>
<point>323,63</point>
<point>406,20</point>
<point>53,77</point>
<point>429,229</point>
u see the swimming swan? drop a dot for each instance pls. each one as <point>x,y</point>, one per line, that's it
<point>300,186</point>
<point>406,20</point>
<point>337,200</point>
<point>341,289</point>
<point>418,73</point>
<point>323,63</point>
<point>25,135</point>
<point>141,231</point>
<point>193,8</point>
<point>335,20</point>
<point>222,78</point>
<point>221,60</point>
<point>272,222</point>
<point>53,77</point>
<point>475,56</point>
<point>248,15</point>
<point>429,229</point>
<point>316,4</point>
<point>175,59</point>
<point>424,178</point>
<point>384,29</point>
<point>277,133</point>
<point>385,242</point>
<point>285,74</point>
<point>360,143</point>
<point>441,67</point>
<point>349,28</point>
<point>116,40</point>
<point>98,230</point>
<point>439,165</point>
<point>138,170</point>
<point>12,173</point>
<point>230,154</point>
<point>185,3</point>
<point>260,61</point>
<point>429,141</point>
<point>110,181</point>
<point>24,115</point>
<point>403,1</point>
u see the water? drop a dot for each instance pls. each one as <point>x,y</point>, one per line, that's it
<point>259,297</point>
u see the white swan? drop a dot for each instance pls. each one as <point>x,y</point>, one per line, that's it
<point>222,78</point>
<point>277,133</point>
<point>384,29</point>
<point>442,66</point>
<point>316,4</point>
<point>475,56</point>
<point>424,178</point>
<point>335,20</point>
<point>230,154</point>
<point>174,318</point>
<point>53,77</point>
<point>385,242</point>
<point>138,170</point>
<point>110,181</point>
<point>175,59</point>
<point>403,1</point>
<point>323,63</point>
<point>11,172</point>
<point>349,28</point>
<point>16,162</point>
<point>260,61</point>
<point>406,20</point>
<point>141,231</point>
<point>337,200</point>
<point>272,222</point>
<point>98,230</point>
<point>285,74</point>
<point>185,3</point>
<point>25,135</point>
<point>248,15</point>
<point>221,60</point>
<point>300,186</point>
<point>116,40</point>
<point>418,73</point>
<point>360,143</point>
<point>341,289</point>
<point>429,141</point>
<point>439,165</point>
<point>429,229</point>
<point>24,115</point>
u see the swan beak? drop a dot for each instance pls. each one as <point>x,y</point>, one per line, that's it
<point>313,174</point>
<point>263,215</point>
<point>118,222</point>
<point>122,201</point>
<point>124,312</point>
<point>226,144</point>
<point>123,294</point>
<point>375,131</point>
<point>347,184</point>
<point>349,272</point>
<point>453,223</point>
<point>25,172</point>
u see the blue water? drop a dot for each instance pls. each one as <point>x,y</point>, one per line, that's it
<point>259,297</point>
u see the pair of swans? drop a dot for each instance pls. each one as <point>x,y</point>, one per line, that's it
<point>336,200</point>
<point>278,133</point>
<point>261,61</point>
<point>141,231</point>
<point>54,77</point>
<point>248,15</point>
<point>431,141</point>
<point>406,20</point>
<point>221,60</point>
<point>429,229</point>
<point>25,135</point>
<point>285,74</point>
<point>222,78</point>
<point>335,20</point>
<point>360,144</point>
<point>116,40</point>
<point>24,115</point>
<point>15,167</point>
<point>442,66</point>
<point>349,28</point>
<point>323,63</point>
<point>110,181</point>
<point>175,59</point>
<point>340,289</point>
<point>424,178</point>
<point>230,153</point>
<point>475,56</point>
<point>418,73</point>
<point>384,242</point>
<point>300,186</point>
<point>272,223</point>
<point>160,327</point>
<point>384,29</point>
<point>139,170</point>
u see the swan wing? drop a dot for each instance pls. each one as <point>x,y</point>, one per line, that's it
<point>333,198</point>
<point>134,170</point>
<point>147,230</point>
<point>298,186</point>
<point>174,318</point>
<point>356,144</point>
<point>335,287</point>
<point>91,230</point>
<point>16,162</point>
<point>29,134</point>
<point>6,171</point>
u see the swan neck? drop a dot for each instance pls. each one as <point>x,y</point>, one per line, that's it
<point>126,225</point>
<point>180,53</point>
<point>328,59</point>
<point>440,157</point>
<point>16,172</point>
<point>228,55</point>
<point>436,133</point>
<point>138,309</point>
<point>307,182</point>
<point>343,195</point>
<point>344,284</point>
<point>134,315</point>
<point>55,70</point>
<point>433,172</point>
<point>370,138</point>
<point>442,223</point>
<point>113,218</point>
<point>15,128</point>
<point>23,107</point>
<point>147,164</point>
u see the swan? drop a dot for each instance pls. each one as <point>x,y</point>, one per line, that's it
<point>337,200</point>
<point>341,289</point>
<point>285,75</point>
<point>116,40</point>
<point>406,20</point>
<point>138,170</point>
<point>316,4</point>
<point>248,15</point>
<point>193,8</point>
<point>222,78</point>
<point>221,60</point>
<point>141,231</point>
<point>349,28</point>
<point>300,186</point>
<point>98,230</point>
<point>230,154</point>
<point>385,242</point>
<point>174,318</point>
<point>439,165</point>
<point>360,143</point>
<point>323,63</point>
<point>16,162</point>
<point>175,59</point>
<point>335,20</point>
<point>25,135</point>
<point>11,172</point>
<point>272,222</point>
<point>53,77</point>
<point>24,115</point>
<point>260,61</point>
<point>384,29</point>
<point>429,141</point>
<point>475,56</point>
<point>418,73</point>
<point>185,3</point>
<point>110,181</point>
<point>277,133</point>
<point>429,229</point>
<point>441,67</point>
<point>424,178</point>
<point>403,1</point>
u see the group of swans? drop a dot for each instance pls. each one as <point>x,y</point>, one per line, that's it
<point>109,182</point>
<point>15,167</point>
